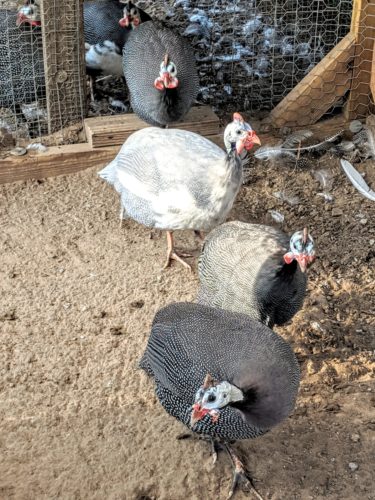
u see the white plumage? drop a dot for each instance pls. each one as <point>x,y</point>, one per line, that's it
<point>175,179</point>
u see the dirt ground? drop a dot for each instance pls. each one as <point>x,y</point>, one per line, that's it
<point>80,421</point>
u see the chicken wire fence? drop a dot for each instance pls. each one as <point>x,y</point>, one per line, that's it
<point>41,67</point>
<point>250,55</point>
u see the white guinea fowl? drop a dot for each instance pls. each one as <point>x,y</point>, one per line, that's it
<point>175,179</point>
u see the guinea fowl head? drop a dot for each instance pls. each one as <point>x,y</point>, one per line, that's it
<point>167,75</point>
<point>212,396</point>
<point>29,13</point>
<point>131,17</point>
<point>301,249</point>
<point>239,135</point>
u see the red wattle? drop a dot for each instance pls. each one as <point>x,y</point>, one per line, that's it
<point>288,258</point>
<point>173,83</point>
<point>159,84</point>
<point>124,22</point>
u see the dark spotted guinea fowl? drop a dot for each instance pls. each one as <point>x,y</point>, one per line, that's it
<point>159,68</point>
<point>222,374</point>
<point>107,25</point>
<point>255,269</point>
<point>21,56</point>
<point>175,179</point>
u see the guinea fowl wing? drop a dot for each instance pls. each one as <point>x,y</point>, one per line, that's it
<point>162,176</point>
<point>235,256</point>
<point>188,341</point>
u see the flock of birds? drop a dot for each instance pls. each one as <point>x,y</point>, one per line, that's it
<point>252,276</point>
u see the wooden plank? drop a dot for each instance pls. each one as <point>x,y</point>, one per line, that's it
<point>372,82</point>
<point>326,83</point>
<point>114,130</point>
<point>64,62</point>
<point>57,160</point>
<point>61,160</point>
<point>363,30</point>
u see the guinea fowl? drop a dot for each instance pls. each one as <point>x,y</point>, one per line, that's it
<point>159,67</point>
<point>175,179</point>
<point>222,374</point>
<point>247,268</point>
<point>21,57</point>
<point>107,25</point>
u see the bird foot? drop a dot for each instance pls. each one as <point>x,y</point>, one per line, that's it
<point>175,256</point>
<point>240,476</point>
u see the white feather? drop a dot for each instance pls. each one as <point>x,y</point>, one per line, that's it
<point>357,180</point>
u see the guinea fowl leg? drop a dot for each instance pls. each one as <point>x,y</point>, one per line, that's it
<point>122,216</point>
<point>172,255</point>
<point>240,474</point>
<point>215,445</point>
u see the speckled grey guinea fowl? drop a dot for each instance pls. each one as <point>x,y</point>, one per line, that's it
<point>159,67</point>
<point>175,179</point>
<point>222,374</point>
<point>107,26</point>
<point>256,270</point>
<point>21,57</point>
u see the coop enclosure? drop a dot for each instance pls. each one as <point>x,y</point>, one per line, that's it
<point>298,59</point>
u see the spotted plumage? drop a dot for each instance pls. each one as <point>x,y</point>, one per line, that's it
<point>188,341</point>
<point>175,179</point>
<point>143,55</point>
<point>242,268</point>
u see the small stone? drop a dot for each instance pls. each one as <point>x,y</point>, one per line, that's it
<point>137,304</point>
<point>353,466</point>
<point>355,438</point>
<point>18,151</point>
<point>116,330</point>
<point>336,212</point>
<point>363,221</point>
<point>372,242</point>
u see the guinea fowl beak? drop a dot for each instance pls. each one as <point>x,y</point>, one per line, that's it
<point>197,414</point>
<point>166,79</point>
<point>247,142</point>
<point>169,81</point>
<point>304,260</point>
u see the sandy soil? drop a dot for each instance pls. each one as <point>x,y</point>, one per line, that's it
<point>80,421</point>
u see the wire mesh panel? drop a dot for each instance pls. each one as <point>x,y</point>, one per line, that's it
<point>42,69</point>
<point>22,83</point>
<point>252,53</point>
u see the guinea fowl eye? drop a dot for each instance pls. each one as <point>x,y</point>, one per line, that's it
<point>238,132</point>
<point>172,69</point>
<point>211,398</point>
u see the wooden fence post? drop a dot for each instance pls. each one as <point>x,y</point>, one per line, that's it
<point>64,62</point>
<point>363,31</point>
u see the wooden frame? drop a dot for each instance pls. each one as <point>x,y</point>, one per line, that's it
<point>105,140</point>
<point>348,69</point>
